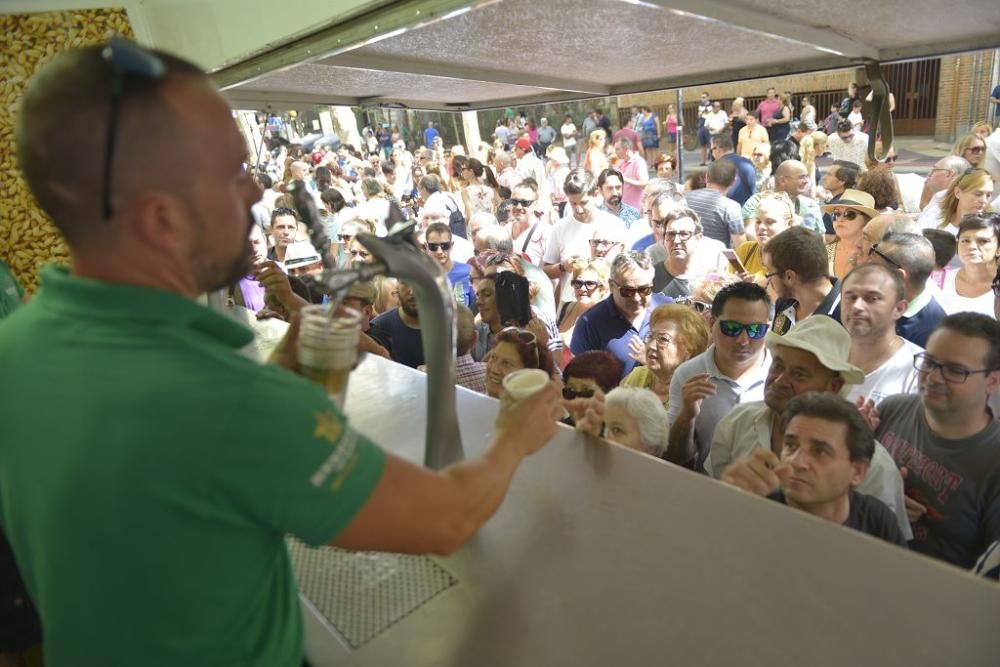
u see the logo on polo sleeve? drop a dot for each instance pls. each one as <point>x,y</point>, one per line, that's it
<point>330,427</point>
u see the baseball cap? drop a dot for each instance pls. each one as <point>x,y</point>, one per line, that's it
<point>824,337</point>
<point>523,144</point>
<point>301,253</point>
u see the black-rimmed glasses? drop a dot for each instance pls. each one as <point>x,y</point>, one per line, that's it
<point>126,58</point>
<point>875,251</point>
<point>950,373</point>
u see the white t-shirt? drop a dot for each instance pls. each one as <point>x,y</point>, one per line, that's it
<point>953,302</point>
<point>568,132</point>
<point>930,217</point>
<point>895,376</point>
<point>857,120</point>
<point>715,121</point>
<point>910,187</point>
<point>571,238</point>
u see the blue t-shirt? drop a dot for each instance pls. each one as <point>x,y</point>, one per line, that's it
<point>746,179</point>
<point>405,345</point>
<point>461,285</point>
<point>996,95</point>
<point>644,242</point>
<point>604,328</point>
<point>429,135</point>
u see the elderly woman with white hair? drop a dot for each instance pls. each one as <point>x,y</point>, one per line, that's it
<point>627,416</point>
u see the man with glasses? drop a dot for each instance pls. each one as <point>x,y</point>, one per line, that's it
<point>913,256</point>
<point>614,322</point>
<point>570,239</point>
<point>812,357</point>
<point>944,440</point>
<point>689,255</point>
<point>706,388</point>
<point>798,270</point>
<point>945,172</point>
<point>611,184</point>
<point>528,228</point>
<point>437,244</point>
<point>848,144</point>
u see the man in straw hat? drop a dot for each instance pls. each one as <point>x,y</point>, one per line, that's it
<point>812,356</point>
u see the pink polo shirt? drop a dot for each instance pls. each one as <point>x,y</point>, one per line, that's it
<point>635,168</point>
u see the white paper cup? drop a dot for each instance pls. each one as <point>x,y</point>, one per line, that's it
<point>525,383</point>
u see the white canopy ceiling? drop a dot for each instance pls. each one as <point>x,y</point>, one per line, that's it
<point>456,54</point>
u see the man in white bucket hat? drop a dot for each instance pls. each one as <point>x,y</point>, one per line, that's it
<point>812,356</point>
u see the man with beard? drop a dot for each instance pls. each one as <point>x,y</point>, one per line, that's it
<point>159,475</point>
<point>811,357</point>
<point>873,298</point>
<point>798,272</point>
<point>398,330</point>
<point>611,183</point>
<point>731,371</point>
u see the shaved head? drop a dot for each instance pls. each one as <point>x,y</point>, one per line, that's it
<point>62,138</point>
<point>790,168</point>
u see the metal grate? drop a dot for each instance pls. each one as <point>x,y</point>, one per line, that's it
<point>363,594</point>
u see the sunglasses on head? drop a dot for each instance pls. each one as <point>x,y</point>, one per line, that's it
<point>585,284</point>
<point>602,243</point>
<point>628,292</point>
<point>434,247</point>
<point>522,335</point>
<point>523,203</point>
<point>569,393</point>
<point>699,306</point>
<point>732,329</point>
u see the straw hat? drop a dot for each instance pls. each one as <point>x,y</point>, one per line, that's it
<point>854,200</point>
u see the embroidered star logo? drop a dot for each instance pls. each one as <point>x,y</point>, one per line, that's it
<point>329,427</point>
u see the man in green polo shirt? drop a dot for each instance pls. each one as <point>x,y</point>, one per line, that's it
<point>149,473</point>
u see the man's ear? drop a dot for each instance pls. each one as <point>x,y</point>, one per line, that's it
<point>858,471</point>
<point>159,220</point>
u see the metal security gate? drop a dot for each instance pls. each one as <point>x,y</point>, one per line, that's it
<point>915,85</point>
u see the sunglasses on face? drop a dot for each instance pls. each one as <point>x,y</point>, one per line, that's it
<point>585,284</point>
<point>434,247</point>
<point>569,393</point>
<point>976,149</point>
<point>628,292</point>
<point>345,238</point>
<point>847,215</point>
<point>364,254</point>
<point>601,243</point>
<point>523,203</point>
<point>732,329</point>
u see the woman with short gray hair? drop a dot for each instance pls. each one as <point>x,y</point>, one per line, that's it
<point>628,416</point>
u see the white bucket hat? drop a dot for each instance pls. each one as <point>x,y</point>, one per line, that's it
<point>824,337</point>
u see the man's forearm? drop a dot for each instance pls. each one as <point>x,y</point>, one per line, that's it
<point>680,446</point>
<point>553,271</point>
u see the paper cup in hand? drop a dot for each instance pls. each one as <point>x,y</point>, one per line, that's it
<point>525,383</point>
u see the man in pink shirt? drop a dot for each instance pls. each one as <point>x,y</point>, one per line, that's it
<point>768,107</point>
<point>634,170</point>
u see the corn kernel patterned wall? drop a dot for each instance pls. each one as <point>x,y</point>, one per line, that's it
<point>27,238</point>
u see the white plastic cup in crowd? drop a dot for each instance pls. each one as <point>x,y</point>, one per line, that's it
<point>525,383</point>
<point>328,348</point>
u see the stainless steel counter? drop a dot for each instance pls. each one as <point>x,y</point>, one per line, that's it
<point>603,556</point>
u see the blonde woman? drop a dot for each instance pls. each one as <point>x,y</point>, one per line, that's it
<point>972,147</point>
<point>969,194</point>
<point>737,119</point>
<point>779,127</point>
<point>596,161</point>
<point>590,286</point>
<point>812,146</point>
<point>774,214</point>
<point>982,130</point>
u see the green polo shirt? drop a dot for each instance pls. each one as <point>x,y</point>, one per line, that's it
<point>149,473</point>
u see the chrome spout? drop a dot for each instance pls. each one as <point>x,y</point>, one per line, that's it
<point>403,259</point>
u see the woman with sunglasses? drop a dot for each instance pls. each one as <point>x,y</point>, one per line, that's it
<point>970,194</point>
<point>970,287</point>
<point>850,214</point>
<point>676,333</point>
<point>590,286</point>
<point>515,349</point>
<point>586,375</point>
<point>972,147</point>
<point>761,158</point>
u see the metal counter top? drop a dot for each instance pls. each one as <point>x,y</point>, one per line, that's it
<point>603,556</point>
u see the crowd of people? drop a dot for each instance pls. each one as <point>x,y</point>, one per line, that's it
<point>826,337</point>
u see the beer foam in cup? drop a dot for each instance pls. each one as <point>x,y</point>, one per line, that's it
<point>525,383</point>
